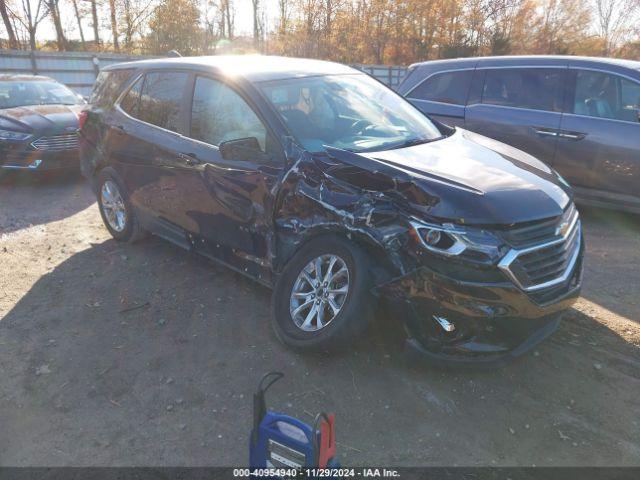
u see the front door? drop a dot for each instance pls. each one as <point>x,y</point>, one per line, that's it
<point>234,222</point>
<point>599,140</point>
<point>520,107</point>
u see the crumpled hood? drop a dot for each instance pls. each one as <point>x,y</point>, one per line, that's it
<point>43,118</point>
<point>472,179</point>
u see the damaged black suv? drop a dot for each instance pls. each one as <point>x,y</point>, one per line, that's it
<point>317,180</point>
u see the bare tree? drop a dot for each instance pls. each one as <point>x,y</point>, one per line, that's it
<point>79,18</point>
<point>257,24</point>
<point>229,17</point>
<point>114,25</point>
<point>32,14</point>
<point>219,19</point>
<point>96,23</point>
<point>136,14</point>
<point>54,11</point>
<point>283,19</point>
<point>13,41</point>
<point>614,20</point>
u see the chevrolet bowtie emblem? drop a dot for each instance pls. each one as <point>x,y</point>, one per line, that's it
<point>562,229</point>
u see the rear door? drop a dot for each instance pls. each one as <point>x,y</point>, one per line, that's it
<point>149,129</point>
<point>520,106</point>
<point>443,95</point>
<point>599,141</point>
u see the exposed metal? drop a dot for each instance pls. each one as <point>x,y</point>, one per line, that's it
<point>446,325</point>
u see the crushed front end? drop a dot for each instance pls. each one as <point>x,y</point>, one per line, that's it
<point>487,295</point>
<point>477,273</point>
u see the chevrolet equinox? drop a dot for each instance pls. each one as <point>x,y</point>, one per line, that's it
<point>320,182</point>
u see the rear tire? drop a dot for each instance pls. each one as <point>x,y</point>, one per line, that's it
<point>340,295</point>
<point>116,210</point>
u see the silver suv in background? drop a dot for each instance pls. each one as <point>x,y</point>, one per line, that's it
<point>579,115</point>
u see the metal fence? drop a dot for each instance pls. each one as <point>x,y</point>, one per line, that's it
<point>78,70</point>
<point>391,76</point>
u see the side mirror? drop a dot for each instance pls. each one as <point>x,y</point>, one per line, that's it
<point>242,149</point>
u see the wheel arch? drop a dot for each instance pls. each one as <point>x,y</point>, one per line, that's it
<point>381,266</point>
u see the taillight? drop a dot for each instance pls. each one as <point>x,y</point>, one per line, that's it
<point>82,119</point>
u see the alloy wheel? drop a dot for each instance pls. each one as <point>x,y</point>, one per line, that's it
<point>319,292</point>
<point>113,206</point>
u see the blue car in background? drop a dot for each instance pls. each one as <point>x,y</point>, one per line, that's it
<point>38,124</point>
<point>579,115</point>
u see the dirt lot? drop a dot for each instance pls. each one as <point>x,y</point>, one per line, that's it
<point>83,381</point>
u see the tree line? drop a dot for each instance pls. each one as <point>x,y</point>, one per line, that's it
<point>350,31</point>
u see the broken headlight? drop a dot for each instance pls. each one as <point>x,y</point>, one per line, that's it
<point>454,240</point>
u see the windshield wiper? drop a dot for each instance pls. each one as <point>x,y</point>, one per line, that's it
<point>417,141</point>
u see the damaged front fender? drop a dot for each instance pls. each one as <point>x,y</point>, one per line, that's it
<point>320,195</point>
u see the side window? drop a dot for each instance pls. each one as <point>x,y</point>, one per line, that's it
<point>131,100</point>
<point>108,86</point>
<point>630,92</point>
<point>161,98</point>
<point>606,95</point>
<point>447,87</point>
<point>219,114</point>
<point>534,88</point>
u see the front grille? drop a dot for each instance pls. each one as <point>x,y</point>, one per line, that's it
<point>550,294</point>
<point>63,141</point>
<point>536,232</point>
<point>549,262</point>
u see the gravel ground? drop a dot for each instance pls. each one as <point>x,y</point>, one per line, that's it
<point>115,354</point>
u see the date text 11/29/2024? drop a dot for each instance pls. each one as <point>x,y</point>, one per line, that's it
<point>316,473</point>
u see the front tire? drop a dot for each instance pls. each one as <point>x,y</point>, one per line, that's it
<point>116,210</point>
<point>322,300</point>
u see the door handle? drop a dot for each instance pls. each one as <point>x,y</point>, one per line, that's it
<point>189,158</point>
<point>545,131</point>
<point>572,135</point>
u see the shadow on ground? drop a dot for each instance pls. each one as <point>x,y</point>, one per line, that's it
<point>144,355</point>
<point>43,199</point>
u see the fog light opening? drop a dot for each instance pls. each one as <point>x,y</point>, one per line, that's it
<point>446,325</point>
<point>436,238</point>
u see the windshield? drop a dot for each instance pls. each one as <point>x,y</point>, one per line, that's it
<point>352,112</point>
<point>19,94</point>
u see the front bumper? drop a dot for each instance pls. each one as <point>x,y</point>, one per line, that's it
<point>492,322</point>
<point>40,160</point>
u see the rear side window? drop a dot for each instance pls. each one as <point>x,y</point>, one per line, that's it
<point>535,88</point>
<point>108,86</point>
<point>161,98</point>
<point>605,95</point>
<point>131,100</point>
<point>446,87</point>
